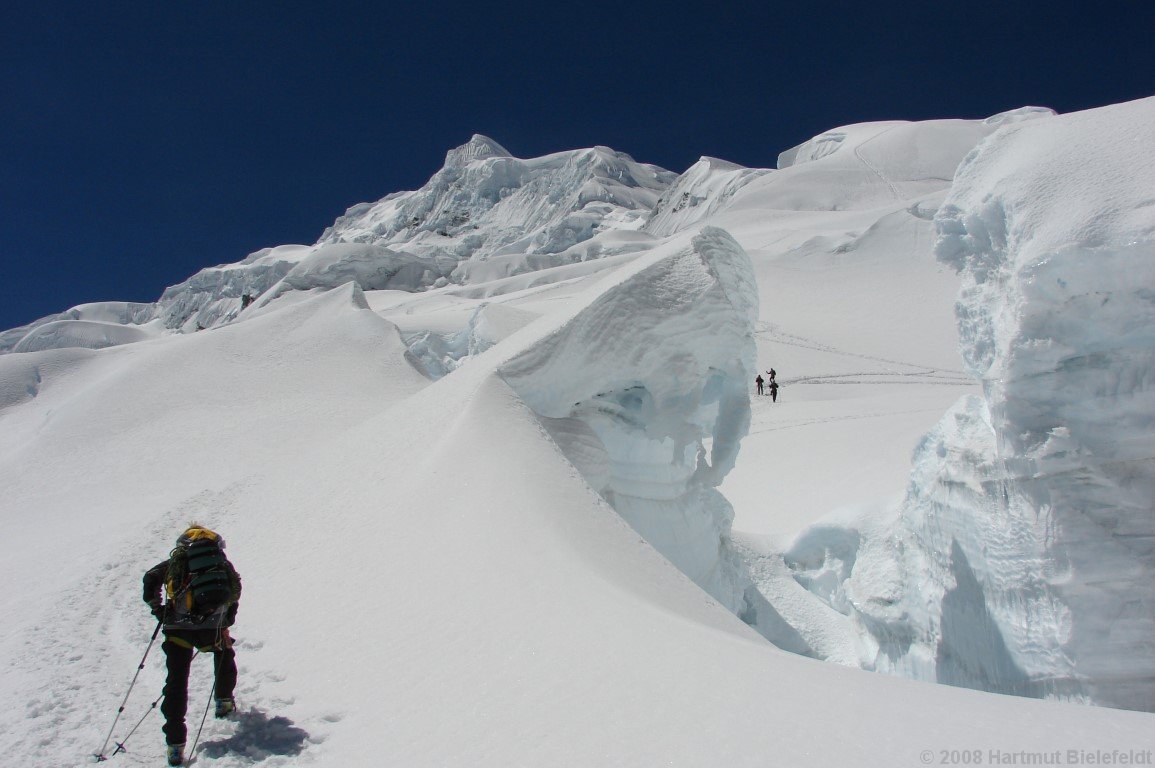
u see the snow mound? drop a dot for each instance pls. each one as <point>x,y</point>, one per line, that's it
<point>95,325</point>
<point>1019,115</point>
<point>372,267</point>
<point>812,149</point>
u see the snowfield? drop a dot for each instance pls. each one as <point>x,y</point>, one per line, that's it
<point>488,459</point>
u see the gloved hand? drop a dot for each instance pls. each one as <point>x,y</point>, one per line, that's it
<point>157,609</point>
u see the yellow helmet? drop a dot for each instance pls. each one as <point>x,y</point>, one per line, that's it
<point>196,532</point>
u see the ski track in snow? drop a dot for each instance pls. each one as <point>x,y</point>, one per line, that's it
<point>877,171</point>
<point>923,372</point>
<point>67,718</point>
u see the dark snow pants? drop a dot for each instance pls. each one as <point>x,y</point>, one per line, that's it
<point>178,650</point>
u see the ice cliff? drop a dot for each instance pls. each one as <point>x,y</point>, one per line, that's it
<point>645,393</point>
<point>1023,557</point>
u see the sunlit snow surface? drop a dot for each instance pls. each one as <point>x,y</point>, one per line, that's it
<point>470,519</point>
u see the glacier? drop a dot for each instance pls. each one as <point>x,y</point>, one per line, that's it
<point>521,397</point>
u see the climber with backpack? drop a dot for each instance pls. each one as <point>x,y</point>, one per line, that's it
<point>201,590</point>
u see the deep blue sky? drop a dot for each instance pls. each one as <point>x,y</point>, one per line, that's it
<point>143,141</point>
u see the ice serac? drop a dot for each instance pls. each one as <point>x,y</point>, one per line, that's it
<point>215,295</point>
<point>700,192</point>
<point>438,354</point>
<point>485,204</point>
<point>645,392</point>
<point>484,209</point>
<point>1028,532</point>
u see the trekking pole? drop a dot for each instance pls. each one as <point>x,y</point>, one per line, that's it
<point>100,756</point>
<point>151,707</point>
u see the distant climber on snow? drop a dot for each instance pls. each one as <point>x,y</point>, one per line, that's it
<point>773,391</point>
<point>759,381</point>
<point>202,590</point>
<point>772,373</point>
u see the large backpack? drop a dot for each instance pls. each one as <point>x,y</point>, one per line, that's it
<point>199,581</point>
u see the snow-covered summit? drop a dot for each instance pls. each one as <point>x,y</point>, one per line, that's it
<point>477,148</point>
<point>484,203</point>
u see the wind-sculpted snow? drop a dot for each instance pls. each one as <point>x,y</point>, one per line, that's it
<point>82,333</point>
<point>700,192</point>
<point>869,165</point>
<point>96,325</point>
<point>1023,557</point>
<point>503,612</point>
<point>645,392</point>
<point>372,267</point>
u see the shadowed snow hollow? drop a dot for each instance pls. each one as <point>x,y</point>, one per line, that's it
<point>645,392</point>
